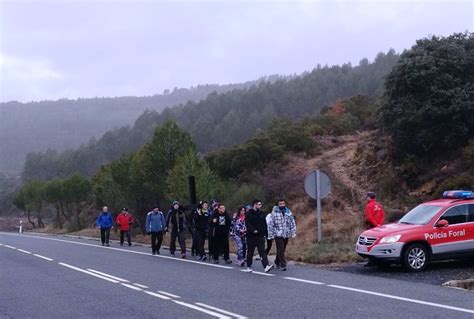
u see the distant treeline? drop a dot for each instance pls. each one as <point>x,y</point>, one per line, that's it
<point>223,120</point>
<point>65,124</point>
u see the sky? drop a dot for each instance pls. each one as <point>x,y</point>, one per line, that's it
<point>77,49</point>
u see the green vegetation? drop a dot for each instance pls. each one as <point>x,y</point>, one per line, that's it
<point>223,120</point>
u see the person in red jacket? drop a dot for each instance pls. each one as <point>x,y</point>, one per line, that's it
<point>124,220</point>
<point>374,213</point>
<point>374,217</point>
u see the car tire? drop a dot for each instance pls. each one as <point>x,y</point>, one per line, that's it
<point>416,257</point>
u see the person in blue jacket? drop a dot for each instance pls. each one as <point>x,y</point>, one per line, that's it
<point>155,226</point>
<point>104,222</point>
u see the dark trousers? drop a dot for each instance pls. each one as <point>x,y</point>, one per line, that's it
<point>181,236</point>
<point>280,244</point>
<point>105,235</point>
<point>156,240</point>
<point>129,238</point>
<point>258,242</point>
<point>194,243</point>
<point>269,246</point>
<point>220,246</point>
<point>201,239</point>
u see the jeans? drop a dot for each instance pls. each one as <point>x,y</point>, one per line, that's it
<point>181,236</point>
<point>129,238</point>
<point>105,235</point>
<point>259,243</point>
<point>281,247</point>
<point>156,240</point>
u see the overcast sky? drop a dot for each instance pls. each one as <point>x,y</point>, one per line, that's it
<point>70,49</point>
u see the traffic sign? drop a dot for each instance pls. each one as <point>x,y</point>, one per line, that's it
<point>317,185</point>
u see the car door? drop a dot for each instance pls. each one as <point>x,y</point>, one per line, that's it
<point>457,236</point>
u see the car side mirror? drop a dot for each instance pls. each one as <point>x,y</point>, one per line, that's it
<point>442,223</point>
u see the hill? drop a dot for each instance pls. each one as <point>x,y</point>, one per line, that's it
<point>223,120</point>
<point>65,124</point>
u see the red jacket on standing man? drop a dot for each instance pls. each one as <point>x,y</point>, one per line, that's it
<point>374,213</point>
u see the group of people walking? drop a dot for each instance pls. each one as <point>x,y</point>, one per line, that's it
<point>250,228</point>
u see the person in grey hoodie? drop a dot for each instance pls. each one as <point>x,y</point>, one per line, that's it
<point>155,226</point>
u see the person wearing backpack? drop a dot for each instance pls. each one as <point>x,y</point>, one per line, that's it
<point>177,219</point>
<point>155,226</point>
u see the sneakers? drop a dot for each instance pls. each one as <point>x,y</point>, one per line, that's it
<point>216,261</point>
<point>183,256</point>
<point>153,252</point>
<point>283,269</point>
<point>129,244</point>
<point>107,245</point>
<point>240,263</point>
<point>249,269</point>
<point>268,268</point>
<point>228,261</point>
<point>172,254</point>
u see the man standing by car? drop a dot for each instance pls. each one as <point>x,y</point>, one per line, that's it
<point>256,231</point>
<point>374,217</point>
<point>124,220</point>
<point>374,213</point>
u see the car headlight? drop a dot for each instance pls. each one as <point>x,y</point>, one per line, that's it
<point>390,239</point>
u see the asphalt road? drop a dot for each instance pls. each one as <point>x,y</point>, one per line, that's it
<point>56,277</point>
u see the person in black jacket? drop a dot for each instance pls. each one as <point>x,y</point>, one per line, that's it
<point>219,227</point>
<point>178,228</point>
<point>256,232</point>
<point>201,224</point>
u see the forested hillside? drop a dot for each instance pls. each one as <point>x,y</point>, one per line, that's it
<point>226,119</point>
<point>64,124</point>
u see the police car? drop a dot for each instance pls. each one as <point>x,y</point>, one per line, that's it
<point>435,230</point>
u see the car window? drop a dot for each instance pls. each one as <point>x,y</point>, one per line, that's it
<point>470,217</point>
<point>420,215</point>
<point>456,215</point>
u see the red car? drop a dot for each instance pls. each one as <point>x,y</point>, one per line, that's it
<point>435,230</point>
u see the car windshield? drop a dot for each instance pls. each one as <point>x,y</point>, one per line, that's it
<point>420,215</point>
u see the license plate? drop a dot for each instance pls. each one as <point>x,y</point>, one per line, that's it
<point>361,248</point>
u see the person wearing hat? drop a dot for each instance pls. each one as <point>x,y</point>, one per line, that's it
<point>155,226</point>
<point>176,217</point>
<point>374,213</point>
<point>124,220</point>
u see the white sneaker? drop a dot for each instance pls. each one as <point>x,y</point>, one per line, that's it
<point>248,269</point>
<point>268,268</point>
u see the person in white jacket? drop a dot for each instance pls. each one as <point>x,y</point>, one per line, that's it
<point>281,226</point>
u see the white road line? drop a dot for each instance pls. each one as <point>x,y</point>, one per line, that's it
<point>154,294</point>
<point>127,251</point>
<point>262,273</point>
<point>432,304</point>
<point>107,275</point>
<point>225,312</point>
<point>131,286</point>
<point>141,286</point>
<point>1,244</point>
<point>168,294</point>
<point>11,247</point>
<point>304,280</point>
<point>24,251</point>
<point>43,257</point>
<point>88,272</point>
<point>212,313</point>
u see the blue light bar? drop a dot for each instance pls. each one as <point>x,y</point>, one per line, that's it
<point>458,194</point>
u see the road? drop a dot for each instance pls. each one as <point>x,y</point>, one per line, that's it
<point>56,277</point>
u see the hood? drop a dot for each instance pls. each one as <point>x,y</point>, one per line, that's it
<point>389,229</point>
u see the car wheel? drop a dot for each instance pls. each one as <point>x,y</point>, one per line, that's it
<point>416,257</point>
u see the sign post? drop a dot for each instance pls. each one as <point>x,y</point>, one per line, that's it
<point>317,185</point>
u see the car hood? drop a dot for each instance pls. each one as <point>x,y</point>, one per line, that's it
<point>390,229</point>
